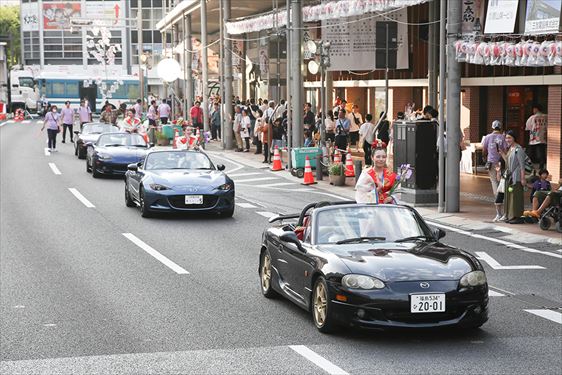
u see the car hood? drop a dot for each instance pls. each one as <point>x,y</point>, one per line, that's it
<point>404,261</point>
<point>89,137</point>
<point>187,179</point>
<point>123,151</point>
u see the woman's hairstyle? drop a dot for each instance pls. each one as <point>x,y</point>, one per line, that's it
<point>543,171</point>
<point>331,115</point>
<point>378,145</point>
<point>511,133</point>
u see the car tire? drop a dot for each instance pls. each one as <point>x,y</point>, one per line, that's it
<point>129,202</point>
<point>321,307</point>
<point>145,211</point>
<point>265,275</point>
<point>228,213</point>
<point>95,173</point>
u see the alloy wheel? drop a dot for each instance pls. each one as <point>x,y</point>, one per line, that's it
<point>266,273</point>
<point>320,304</point>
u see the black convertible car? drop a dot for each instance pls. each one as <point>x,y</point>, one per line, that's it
<point>179,181</point>
<point>90,134</point>
<point>371,266</point>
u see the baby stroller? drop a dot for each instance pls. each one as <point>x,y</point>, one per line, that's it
<point>552,215</point>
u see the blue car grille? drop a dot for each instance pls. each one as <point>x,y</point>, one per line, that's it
<point>178,201</point>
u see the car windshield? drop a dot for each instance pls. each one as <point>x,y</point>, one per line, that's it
<point>366,224</point>
<point>121,139</point>
<point>99,128</point>
<point>177,160</point>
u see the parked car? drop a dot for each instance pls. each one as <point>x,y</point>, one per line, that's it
<point>90,134</point>
<point>113,152</point>
<point>179,181</point>
<point>371,266</point>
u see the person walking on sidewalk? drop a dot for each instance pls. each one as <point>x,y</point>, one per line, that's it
<point>52,121</point>
<point>367,134</point>
<point>515,179</point>
<point>492,147</point>
<point>67,116</point>
<point>237,128</point>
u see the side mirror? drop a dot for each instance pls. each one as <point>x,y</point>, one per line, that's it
<point>438,233</point>
<point>133,167</point>
<point>151,145</point>
<point>291,237</point>
<point>221,167</point>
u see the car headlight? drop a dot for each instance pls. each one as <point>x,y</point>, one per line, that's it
<point>225,187</point>
<point>474,278</point>
<point>158,187</point>
<point>362,282</point>
<point>104,157</point>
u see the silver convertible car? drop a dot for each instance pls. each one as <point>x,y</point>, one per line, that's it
<point>179,181</point>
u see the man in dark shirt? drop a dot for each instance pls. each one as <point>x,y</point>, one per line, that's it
<point>308,116</point>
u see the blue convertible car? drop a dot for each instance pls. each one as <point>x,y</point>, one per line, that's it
<point>113,152</point>
<point>179,181</point>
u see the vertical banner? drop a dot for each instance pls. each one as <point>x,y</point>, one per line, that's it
<point>236,54</point>
<point>543,16</point>
<point>500,16</point>
<point>472,11</point>
<point>353,41</point>
<point>29,17</point>
<point>58,16</point>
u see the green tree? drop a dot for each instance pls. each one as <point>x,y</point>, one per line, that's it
<point>10,32</point>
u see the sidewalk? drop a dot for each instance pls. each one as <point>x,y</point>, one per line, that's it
<point>477,208</point>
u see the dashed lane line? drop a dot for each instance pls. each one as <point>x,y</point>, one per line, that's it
<point>265,214</point>
<point>318,360</point>
<point>245,205</point>
<point>155,254</point>
<point>496,240</point>
<point>81,198</point>
<point>493,293</point>
<point>26,121</point>
<point>55,169</point>
<point>547,314</point>
<point>47,152</point>
<point>483,256</point>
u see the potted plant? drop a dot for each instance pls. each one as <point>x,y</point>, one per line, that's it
<point>336,174</point>
<point>161,139</point>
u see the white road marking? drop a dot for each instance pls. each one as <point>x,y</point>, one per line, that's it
<point>245,205</point>
<point>492,293</point>
<point>10,122</point>
<point>256,179</point>
<point>496,240</point>
<point>161,258</point>
<point>47,152</point>
<point>243,174</point>
<point>547,314</point>
<point>277,184</point>
<point>318,360</point>
<point>238,165</point>
<point>81,198</point>
<point>25,121</point>
<point>266,214</point>
<point>482,255</point>
<point>560,251</point>
<point>54,168</point>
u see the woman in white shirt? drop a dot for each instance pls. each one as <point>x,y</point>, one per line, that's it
<point>245,129</point>
<point>330,126</point>
<point>257,131</point>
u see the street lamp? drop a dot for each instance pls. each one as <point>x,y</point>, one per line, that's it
<point>320,51</point>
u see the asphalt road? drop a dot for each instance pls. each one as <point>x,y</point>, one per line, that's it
<point>78,295</point>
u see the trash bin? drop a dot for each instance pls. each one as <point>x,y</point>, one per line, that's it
<point>298,159</point>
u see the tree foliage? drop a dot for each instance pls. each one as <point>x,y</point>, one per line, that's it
<point>10,32</point>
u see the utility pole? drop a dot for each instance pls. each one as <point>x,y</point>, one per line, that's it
<point>442,77</point>
<point>296,73</point>
<point>227,100</point>
<point>288,81</point>
<point>140,52</point>
<point>431,55</point>
<point>452,174</point>
<point>205,62</point>
<point>189,58</point>
<point>386,73</point>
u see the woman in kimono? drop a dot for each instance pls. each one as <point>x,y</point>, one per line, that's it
<point>375,182</point>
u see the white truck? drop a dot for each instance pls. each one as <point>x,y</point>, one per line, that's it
<point>22,91</point>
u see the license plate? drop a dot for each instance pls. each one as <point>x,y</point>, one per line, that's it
<point>427,303</point>
<point>193,199</point>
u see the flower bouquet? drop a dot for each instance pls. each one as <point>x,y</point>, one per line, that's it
<point>404,174</point>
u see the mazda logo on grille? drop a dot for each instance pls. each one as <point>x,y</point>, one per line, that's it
<point>424,285</point>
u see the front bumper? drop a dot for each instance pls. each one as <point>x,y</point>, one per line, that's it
<point>111,167</point>
<point>390,307</point>
<point>171,201</point>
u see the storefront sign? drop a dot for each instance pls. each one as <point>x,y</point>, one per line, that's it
<point>472,10</point>
<point>501,15</point>
<point>543,16</point>
<point>59,15</point>
<point>353,44</point>
<point>107,10</point>
<point>29,17</point>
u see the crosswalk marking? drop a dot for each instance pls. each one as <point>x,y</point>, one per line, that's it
<point>256,179</point>
<point>493,293</point>
<point>483,256</point>
<point>278,184</point>
<point>25,121</point>
<point>265,214</point>
<point>243,174</point>
<point>245,205</point>
<point>54,168</point>
<point>318,360</point>
<point>547,314</point>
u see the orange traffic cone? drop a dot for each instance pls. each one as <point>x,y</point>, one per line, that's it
<point>349,172</point>
<point>337,156</point>
<point>276,160</point>
<point>308,176</point>
<point>175,141</point>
